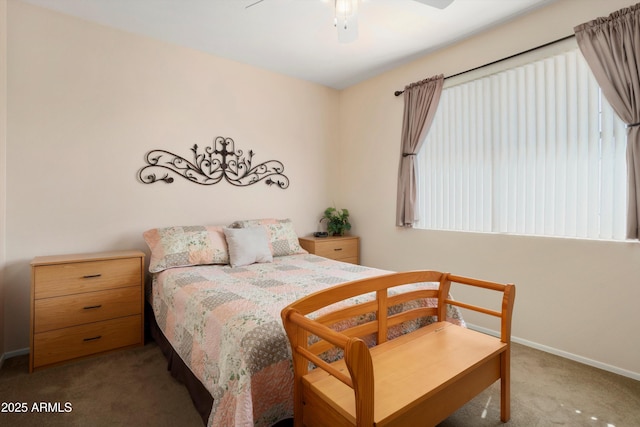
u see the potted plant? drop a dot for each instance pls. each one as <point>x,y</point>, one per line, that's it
<point>337,221</point>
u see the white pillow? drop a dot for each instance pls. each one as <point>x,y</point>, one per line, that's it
<point>247,246</point>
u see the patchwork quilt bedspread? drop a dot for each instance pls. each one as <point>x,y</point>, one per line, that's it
<point>225,324</point>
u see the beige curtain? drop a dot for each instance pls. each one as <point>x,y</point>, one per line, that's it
<point>611,47</point>
<point>420,105</point>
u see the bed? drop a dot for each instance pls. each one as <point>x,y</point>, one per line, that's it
<point>216,313</point>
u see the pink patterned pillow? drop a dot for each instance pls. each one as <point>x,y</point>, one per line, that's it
<point>186,246</point>
<point>283,239</point>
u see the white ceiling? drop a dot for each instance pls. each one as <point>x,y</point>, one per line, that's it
<point>297,37</point>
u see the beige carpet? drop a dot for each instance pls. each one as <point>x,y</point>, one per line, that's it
<point>133,388</point>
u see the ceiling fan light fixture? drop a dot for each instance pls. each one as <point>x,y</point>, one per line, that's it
<point>346,20</point>
<point>346,16</point>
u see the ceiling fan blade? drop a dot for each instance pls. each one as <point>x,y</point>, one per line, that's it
<point>253,4</point>
<point>440,4</point>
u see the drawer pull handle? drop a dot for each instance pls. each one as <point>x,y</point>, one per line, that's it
<point>91,276</point>
<point>89,307</point>
<point>93,338</point>
<point>337,249</point>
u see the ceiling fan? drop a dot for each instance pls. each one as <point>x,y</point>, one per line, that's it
<point>440,4</point>
<point>346,16</point>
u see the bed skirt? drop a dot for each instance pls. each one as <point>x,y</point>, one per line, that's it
<point>202,399</point>
<point>200,396</point>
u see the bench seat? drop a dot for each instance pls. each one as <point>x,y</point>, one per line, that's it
<point>411,372</point>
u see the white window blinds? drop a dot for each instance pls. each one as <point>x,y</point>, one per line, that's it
<point>534,149</point>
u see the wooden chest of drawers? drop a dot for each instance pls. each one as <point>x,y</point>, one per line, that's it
<point>85,304</point>
<point>340,248</point>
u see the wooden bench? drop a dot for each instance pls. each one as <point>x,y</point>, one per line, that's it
<point>419,378</point>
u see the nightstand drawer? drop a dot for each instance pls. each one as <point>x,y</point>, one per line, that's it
<point>69,343</point>
<point>338,249</point>
<point>72,278</point>
<point>72,310</point>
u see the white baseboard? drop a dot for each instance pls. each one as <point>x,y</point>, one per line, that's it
<point>14,353</point>
<point>19,352</point>
<point>561,353</point>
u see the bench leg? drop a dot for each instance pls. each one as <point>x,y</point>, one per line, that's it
<point>505,385</point>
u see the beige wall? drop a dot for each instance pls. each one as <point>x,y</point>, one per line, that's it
<point>85,103</point>
<point>574,297</point>
<point>3,167</point>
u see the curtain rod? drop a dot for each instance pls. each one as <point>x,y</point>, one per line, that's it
<point>400,92</point>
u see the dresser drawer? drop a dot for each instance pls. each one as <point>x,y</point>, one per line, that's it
<point>77,341</point>
<point>76,309</point>
<point>77,277</point>
<point>338,249</point>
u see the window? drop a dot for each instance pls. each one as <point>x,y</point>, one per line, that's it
<point>534,149</point>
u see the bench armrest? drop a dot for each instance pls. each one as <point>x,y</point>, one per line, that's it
<point>508,298</point>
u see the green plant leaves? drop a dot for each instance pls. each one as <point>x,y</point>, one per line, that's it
<point>337,221</point>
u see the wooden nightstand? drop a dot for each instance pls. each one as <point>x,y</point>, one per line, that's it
<point>85,304</point>
<point>340,248</point>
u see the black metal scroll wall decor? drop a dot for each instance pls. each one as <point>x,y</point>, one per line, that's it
<point>211,165</point>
